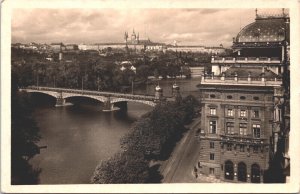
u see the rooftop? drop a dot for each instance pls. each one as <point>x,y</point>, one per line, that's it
<point>270,28</point>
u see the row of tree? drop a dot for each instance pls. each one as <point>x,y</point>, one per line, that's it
<point>92,71</point>
<point>151,137</point>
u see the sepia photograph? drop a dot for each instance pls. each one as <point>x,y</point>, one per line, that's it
<point>147,95</point>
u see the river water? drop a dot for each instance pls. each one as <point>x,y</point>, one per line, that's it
<point>79,137</point>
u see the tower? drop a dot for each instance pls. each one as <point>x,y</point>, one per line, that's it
<point>125,36</point>
<point>133,37</point>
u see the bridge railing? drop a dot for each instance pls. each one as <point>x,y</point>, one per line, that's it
<point>90,92</point>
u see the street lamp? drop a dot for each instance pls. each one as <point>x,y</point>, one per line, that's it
<point>82,83</point>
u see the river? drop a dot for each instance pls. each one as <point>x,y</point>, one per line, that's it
<point>79,137</point>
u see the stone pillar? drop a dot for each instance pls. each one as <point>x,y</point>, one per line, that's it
<point>235,171</point>
<point>60,101</point>
<point>158,94</point>
<point>261,176</point>
<point>108,106</point>
<point>249,77</point>
<point>263,77</point>
<point>248,177</point>
<point>235,77</point>
<point>223,77</point>
<point>176,92</point>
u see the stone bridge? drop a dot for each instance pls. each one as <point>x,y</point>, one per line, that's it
<point>107,98</point>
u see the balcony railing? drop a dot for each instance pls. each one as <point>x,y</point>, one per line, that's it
<point>243,139</point>
<point>245,60</point>
<point>235,80</point>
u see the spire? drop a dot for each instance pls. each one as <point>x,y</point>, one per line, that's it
<point>125,36</point>
<point>256,12</point>
<point>283,14</point>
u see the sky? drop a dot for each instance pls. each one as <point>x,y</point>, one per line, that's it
<point>208,27</point>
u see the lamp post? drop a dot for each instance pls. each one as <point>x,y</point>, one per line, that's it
<point>54,80</point>
<point>82,83</point>
<point>98,83</point>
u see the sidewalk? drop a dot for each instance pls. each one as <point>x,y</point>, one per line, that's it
<point>185,155</point>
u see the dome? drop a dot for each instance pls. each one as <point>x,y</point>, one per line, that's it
<point>269,29</point>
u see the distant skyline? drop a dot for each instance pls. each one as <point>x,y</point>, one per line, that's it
<point>208,27</point>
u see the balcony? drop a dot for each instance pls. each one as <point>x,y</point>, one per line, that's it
<point>243,139</point>
<point>242,60</point>
<point>243,81</point>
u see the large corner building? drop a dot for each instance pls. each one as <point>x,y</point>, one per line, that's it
<point>240,117</point>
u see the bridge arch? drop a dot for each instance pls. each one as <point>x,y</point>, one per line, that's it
<point>116,100</point>
<point>97,98</point>
<point>49,93</point>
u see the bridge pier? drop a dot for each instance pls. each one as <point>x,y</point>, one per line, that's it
<point>108,107</point>
<point>60,102</point>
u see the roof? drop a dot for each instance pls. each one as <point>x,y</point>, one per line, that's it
<point>264,29</point>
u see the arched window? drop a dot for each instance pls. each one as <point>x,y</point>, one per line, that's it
<point>255,173</point>
<point>242,172</point>
<point>228,173</point>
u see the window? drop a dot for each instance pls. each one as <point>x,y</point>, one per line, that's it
<point>243,113</point>
<point>211,171</point>
<point>230,112</point>
<point>256,113</point>
<point>255,98</point>
<point>242,97</point>
<point>229,147</point>
<point>242,148</point>
<point>212,96</point>
<point>212,145</point>
<point>212,127</point>
<point>229,97</point>
<point>256,130</point>
<point>229,128</point>
<point>212,156</point>
<point>255,149</point>
<point>213,111</point>
<point>243,129</point>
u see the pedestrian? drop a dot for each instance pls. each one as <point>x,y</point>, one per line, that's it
<point>195,169</point>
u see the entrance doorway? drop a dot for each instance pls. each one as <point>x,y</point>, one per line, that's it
<point>228,170</point>
<point>242,172</point>
<point>255,173</point>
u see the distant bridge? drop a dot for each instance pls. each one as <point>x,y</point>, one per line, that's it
<point>107,98</point>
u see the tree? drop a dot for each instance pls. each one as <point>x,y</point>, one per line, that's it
<point>24,138</point>
<point>124,167</point>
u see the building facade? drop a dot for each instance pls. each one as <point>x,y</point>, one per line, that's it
<point>241,115</point>
<point>236,127</point>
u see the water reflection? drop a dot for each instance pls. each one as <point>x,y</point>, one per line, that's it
<point>78,138</point>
